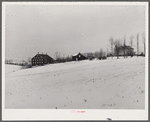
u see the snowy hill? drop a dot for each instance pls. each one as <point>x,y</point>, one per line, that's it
<point>97,84</point>
<point>11,68</point>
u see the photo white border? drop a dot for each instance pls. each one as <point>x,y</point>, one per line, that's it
<point>67,114</point>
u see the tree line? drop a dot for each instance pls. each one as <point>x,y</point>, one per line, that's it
<point>116,45</point>
<point>121,44</point>
<point>59,58</point>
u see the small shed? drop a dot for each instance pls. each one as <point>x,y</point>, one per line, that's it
<point>41,59</point>
<point>78,57</point>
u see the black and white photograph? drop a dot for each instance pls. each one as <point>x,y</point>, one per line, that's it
<point>75,58</point>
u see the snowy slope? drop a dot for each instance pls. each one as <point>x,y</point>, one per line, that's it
<point>11,68</point>
<point>97,84</point>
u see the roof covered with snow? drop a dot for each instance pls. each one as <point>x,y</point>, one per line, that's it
<point>44,56</point>
<point>76,54</point>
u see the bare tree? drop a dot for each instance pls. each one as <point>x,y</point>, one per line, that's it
<point>111,40</point>
<point>10,61</point>
<point>68,58</point>
<point>96,54</point>
<point>57,55</point>
<point>63,56</point>
<point>131,40</point>
<point>90,55</point>
<point>101,53</point>
<point>117,47</point>
<point>144,41</point>
<point>104,54</point>
<point>85,54</point>
<point>137,37</point>
<point>23,62</point>
<point>29,60</point>
<point>107,51</point>
<point>124,46</point>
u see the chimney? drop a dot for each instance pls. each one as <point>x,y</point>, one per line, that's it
<point>38,52</point>
<point>46,53</point>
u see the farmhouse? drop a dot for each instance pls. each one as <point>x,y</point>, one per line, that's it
<point>128,50</point>
<point>41,59</point>
<point>78,57</point>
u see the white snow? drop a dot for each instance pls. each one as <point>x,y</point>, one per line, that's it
<point>96,84</point>
<point>12,68</point>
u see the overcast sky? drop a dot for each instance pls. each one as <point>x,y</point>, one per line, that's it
<point>68,29</point>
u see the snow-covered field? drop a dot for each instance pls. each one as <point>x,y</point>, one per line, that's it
<point>97,84</point>
<point>12,68</point>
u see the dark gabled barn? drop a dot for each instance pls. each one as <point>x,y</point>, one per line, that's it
<point>41,59</point>
<point>78,57</point>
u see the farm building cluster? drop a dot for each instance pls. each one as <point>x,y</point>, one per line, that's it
<point>42,59</point>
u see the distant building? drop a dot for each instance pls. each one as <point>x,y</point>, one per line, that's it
<point>128,50</point>
<point>78,57</point>
<point>41,59</point>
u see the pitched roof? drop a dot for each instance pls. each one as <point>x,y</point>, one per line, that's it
<point>76,54</point>
<point>44,56</point>
<point>127,47</point>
